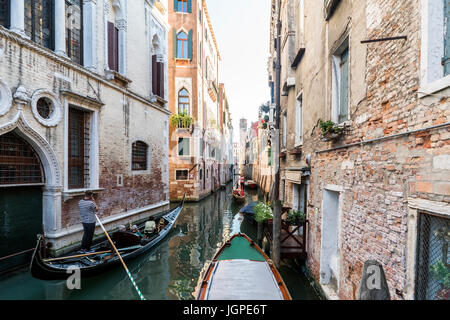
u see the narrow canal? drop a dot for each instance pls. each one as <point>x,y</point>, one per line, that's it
<point>171,270</point>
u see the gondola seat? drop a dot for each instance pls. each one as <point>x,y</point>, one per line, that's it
<point>124,239</point>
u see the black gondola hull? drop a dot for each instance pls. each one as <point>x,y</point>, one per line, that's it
<point>44,271</point>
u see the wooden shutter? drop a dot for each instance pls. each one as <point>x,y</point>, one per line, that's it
<point>113,47</point>
<point>344,88</point>
<point>154,75</point>
<point>189,6</point>
<point>446,59</point>
<point>174,43</point>
<point>190,44</point>
<point>161,79</point>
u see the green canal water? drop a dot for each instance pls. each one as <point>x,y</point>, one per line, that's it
<point>172,269</point>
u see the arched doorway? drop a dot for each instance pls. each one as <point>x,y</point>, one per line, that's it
<point>21,180</point>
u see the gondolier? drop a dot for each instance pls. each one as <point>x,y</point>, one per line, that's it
<point>88,208</point>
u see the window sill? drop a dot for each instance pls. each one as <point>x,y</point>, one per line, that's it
<point>433,87</point>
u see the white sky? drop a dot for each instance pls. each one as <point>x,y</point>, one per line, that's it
<point>242,33</point>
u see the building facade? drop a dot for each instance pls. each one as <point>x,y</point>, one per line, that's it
<point>83,106</point>
<point>196,167</point>
<point>365,139</point>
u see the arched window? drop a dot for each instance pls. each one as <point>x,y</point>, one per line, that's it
<point>182,5</point>
<point>183,101</point>
<point>182,45</point>
<point>139,156</point>
<point>19,164</point>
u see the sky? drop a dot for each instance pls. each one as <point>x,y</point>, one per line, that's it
<point>242,33</point>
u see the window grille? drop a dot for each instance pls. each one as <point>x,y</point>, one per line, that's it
<point>433,267</point>
<point>19,163</point>
<point>182,174</point>
<point>39,16</point>
<point>139,156</point>
<point>45,108</point>
<point>74,30</point>
<point>79,148</point>
<point>4,13</point>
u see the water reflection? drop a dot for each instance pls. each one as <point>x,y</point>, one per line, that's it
<point>168,272</point>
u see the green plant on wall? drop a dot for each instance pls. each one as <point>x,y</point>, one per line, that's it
<point>330,127</point>
<point>263,212</point>
<point>295,218</point>
<point>441,273</point>
<point>182,120</point>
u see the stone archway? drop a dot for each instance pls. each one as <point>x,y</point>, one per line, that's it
<point>51,201</point>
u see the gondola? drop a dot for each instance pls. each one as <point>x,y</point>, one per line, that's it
<point>238,197</point>
<point>240,270</point>
<point>251,184</point>
<point>129,245</point>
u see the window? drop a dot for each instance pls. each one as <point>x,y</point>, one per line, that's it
<point>19,164</point>
<point>183,101</point>
<point>39,22</point>
<point>157,77</point>
<point>74,30</point>
<point>45,108</point>
<point>446,58</point>
<point>433,264</point>
<point>184,146</point>
<point>182,45</point>
<point>299,118</point>
<point>139,154</point>
<point>113,47</point>
<point>79,148</point>
<point>4,13</point>
<point>183,5</point>
<point>341,84</point>
<point>182,174</point>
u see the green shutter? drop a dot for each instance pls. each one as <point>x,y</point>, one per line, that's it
<point>189,6</point>
<point>190,44</point>
<point>446,59</point>
<point>344,91</point>
<point>175,5</point>
<point>174,41</point>
<point>269,155</point>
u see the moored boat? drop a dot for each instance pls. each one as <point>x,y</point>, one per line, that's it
<point>242,271</point>
<point>251,184</point>
<point>103,258</point>
<point>248,212</point>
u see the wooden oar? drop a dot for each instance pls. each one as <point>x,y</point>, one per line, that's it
<point>121,260</point>
<point>89,254</point>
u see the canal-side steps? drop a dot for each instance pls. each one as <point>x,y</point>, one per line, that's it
<point>240,270</point>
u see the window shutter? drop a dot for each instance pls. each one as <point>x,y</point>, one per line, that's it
<point>175,5</point>
<point>113,47</point>
<point>344,94</point>
<point>190,44</point>
<point>154,75</point>
<point>189,6</point>
<point>161,79</point>
<point>446,59</point>
<point>174,42</point>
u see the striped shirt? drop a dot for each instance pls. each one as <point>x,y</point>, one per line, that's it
<point>87,211</point>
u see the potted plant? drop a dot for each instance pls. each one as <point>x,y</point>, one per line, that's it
<point>182,120</point>
<point>330,130</point>
<point>263,212</point>
<point>295,218</point>
<point>441,274</point>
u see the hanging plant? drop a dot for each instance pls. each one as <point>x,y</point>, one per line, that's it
<point>331,130</point>
<point>295,218</point>
<point>263,212</point>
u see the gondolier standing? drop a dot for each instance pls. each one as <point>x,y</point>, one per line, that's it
<point>88,208</point>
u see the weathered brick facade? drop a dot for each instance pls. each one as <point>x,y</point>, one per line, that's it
<point>120,113</point>
<point>391,157</point>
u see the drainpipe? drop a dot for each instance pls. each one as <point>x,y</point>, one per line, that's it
<point>276,256</point>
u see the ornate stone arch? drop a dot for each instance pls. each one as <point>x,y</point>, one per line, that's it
<point>40,145</point>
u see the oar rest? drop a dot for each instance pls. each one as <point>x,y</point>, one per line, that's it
<point>124,239</point>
